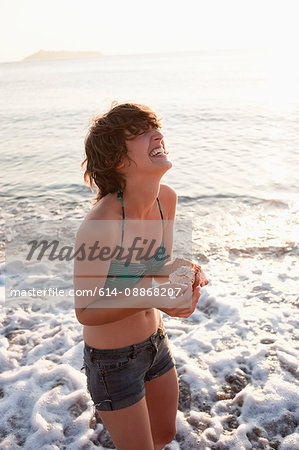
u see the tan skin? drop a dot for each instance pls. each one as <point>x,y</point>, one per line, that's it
<point>150,423</point>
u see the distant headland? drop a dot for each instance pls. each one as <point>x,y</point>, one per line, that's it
<point>45,54</point>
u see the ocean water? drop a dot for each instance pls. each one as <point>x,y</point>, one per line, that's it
<point>230,120</point>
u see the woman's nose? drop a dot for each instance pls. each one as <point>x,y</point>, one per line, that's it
<point>158,135</point>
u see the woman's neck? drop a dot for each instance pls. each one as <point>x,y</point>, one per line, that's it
<point>140,198</point>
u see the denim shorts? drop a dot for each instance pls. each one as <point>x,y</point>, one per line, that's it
<point>116,377</point>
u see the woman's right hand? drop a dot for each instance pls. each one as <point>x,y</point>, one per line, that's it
<point>185,304</point>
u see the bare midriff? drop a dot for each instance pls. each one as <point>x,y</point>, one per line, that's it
<point>128,331</point>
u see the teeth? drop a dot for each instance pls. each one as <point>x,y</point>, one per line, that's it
<point>156,151</point>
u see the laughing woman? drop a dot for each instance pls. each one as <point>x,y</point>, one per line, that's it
<point>129,366</point>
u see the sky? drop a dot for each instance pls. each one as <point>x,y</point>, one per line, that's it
<point>137,26</point>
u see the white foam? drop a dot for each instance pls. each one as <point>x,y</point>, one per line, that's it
<point>236,359</point>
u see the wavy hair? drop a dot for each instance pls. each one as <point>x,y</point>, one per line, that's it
<point>105,144</point>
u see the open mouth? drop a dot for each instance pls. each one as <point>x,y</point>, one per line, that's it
<point>158,152</point>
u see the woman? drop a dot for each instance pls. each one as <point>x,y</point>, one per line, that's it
<point>129,366</point>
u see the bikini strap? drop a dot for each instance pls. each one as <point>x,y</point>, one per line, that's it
<point>160,209</point>
<point>120,195</point>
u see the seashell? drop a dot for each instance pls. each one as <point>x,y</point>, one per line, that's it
<point>182,275</point>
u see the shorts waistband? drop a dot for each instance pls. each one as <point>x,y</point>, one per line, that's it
<point>129,349</point>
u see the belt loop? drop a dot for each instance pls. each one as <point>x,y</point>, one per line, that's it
<point>154,344</point>
<point>161,334</point>
<point>133,353</point>
<point>91,355</point>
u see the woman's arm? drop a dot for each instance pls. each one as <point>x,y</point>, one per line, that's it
<point>182,305</point>
<point>168,199</point>
<point>100,316</point>
<point>90,274</point>
<point>105,310</point>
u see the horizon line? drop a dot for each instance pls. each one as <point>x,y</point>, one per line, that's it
<point>136,53</point>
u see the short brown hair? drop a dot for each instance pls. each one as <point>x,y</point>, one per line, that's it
<point>105,144</point>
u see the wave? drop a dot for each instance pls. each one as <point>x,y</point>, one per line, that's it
<point>290,248</point>
<point>202,116</point>
<point>242,198</point>
<point>77,193</point>
<point>35,192</point>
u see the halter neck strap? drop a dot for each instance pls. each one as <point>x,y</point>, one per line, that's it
<point>120,196</point>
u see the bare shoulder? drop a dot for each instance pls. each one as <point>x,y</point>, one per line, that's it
<point>104,209</point>
<point>168,198</point>
<point>102,220</point>
<point>168,194</point>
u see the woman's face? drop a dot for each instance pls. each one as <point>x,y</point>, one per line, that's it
<point>149,152</point>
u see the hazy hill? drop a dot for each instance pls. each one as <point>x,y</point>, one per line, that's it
<point>45,54</point>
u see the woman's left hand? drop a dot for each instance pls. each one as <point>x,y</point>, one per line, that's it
<point>200,277</point>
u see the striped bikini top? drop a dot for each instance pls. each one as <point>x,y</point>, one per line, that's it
<point>121,276</point>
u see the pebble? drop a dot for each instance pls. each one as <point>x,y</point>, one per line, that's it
<point>267,341</point>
